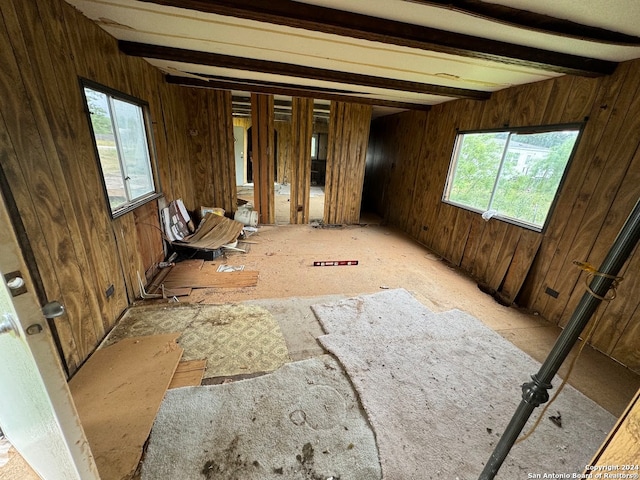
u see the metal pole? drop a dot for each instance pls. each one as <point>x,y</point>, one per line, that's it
<point>534,393</point>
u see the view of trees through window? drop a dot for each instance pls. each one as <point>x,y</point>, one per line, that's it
<point>514,174</point>
<point>121,140</point>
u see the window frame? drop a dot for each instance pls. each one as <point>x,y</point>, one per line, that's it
<point>130,205</point>
<point>579,126</point>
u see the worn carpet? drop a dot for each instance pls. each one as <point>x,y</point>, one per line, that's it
<point>440,388</point>
<point>302,422</point>
<point>234,339</point>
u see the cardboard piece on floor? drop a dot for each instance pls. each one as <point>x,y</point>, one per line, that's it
<point>188,374</point>
<point>117,393</point>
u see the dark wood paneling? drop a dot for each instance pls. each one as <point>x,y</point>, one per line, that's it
<point>47,155</point>
<point>600,188</point>
<point>348,139</point>
<point>302,125</point>
<point>262,129</point>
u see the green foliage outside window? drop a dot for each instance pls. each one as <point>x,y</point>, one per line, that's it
<point>513,174</point>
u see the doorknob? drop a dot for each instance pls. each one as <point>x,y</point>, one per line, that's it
<point>7,324</point>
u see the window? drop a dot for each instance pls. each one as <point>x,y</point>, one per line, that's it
<point>122,143</point>
<point>512,174</point>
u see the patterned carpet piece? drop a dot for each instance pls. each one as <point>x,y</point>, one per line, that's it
<point>234,339</point>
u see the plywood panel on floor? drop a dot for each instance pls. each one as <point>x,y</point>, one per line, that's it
<point>117,393</point>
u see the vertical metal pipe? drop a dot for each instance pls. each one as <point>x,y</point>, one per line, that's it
<point>535,393</point>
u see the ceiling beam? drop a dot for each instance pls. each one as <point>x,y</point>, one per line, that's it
<point>288,69</point>
<point>533,21</point>
<point>293,91</point>
<point>328,20</point>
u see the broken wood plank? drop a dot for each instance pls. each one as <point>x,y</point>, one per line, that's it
<point>188,374</point>
<point>117,393</point>
<point>211,279</point>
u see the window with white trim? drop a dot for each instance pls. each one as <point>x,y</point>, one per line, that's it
<point>513,175</point>
<point>121,138</point>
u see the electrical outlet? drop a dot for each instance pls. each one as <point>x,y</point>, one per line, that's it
<point>551,292</point>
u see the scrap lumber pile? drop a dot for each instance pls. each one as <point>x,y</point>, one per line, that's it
<point>213,232</point>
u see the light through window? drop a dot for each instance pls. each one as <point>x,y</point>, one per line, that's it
<point>121,140</point>
<point>513,174</point>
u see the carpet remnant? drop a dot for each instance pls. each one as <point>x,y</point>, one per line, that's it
<point>234,339</point>
<point>301,422</point>
<point>439,389</point>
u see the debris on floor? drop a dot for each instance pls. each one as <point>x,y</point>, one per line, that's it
<point>188,374</point>
<point>200,274</point>
<point>335,263</point>
<point>230,268</point>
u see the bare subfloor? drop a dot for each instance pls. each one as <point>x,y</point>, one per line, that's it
<point>387,258</point>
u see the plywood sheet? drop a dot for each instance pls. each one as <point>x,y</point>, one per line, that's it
<point>210,279</point>
<point>188,374</point>
<point>117,393</point>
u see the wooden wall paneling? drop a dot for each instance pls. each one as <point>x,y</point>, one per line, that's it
<point>223,149</point>
<point>202,154</point>
<point>348,139</point>
<point>97,53</point>
<point>488,248</point>
<point>529,103</point>
<point>556,105</point>
<point>360,141</point>
<point>300,171</point>
<point>521,262</point>
<point>439,234</point>
<point>501,258</point>
<point>68,122</point>
<point>390,141</point>
<point>571,203</point>
<point>283,162</point>
<point>177,130</point>
<point>10,166</point>
<point>580,99</point>
<point>28,129</point>
<point>412,154</point>
<point>473,242</point>
<point>149,239</point>
<point>262,144</point>
<point>166,147</point>
<point>618,312</point>
<point>602,181</point>
<point>626,347</point>
<point>459,235</point>
<point>615,315</point>
<point>124,231</point>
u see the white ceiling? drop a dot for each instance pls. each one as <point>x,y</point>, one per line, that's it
<point>149,23</point>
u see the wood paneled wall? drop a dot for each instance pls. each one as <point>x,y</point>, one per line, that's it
<point>48,158</point>
<point>284,138</point>
<point>302,125</point>
<point>348,137</point>
<point>201,161</point>
<point>262,128</point>
<point>408,163</point>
